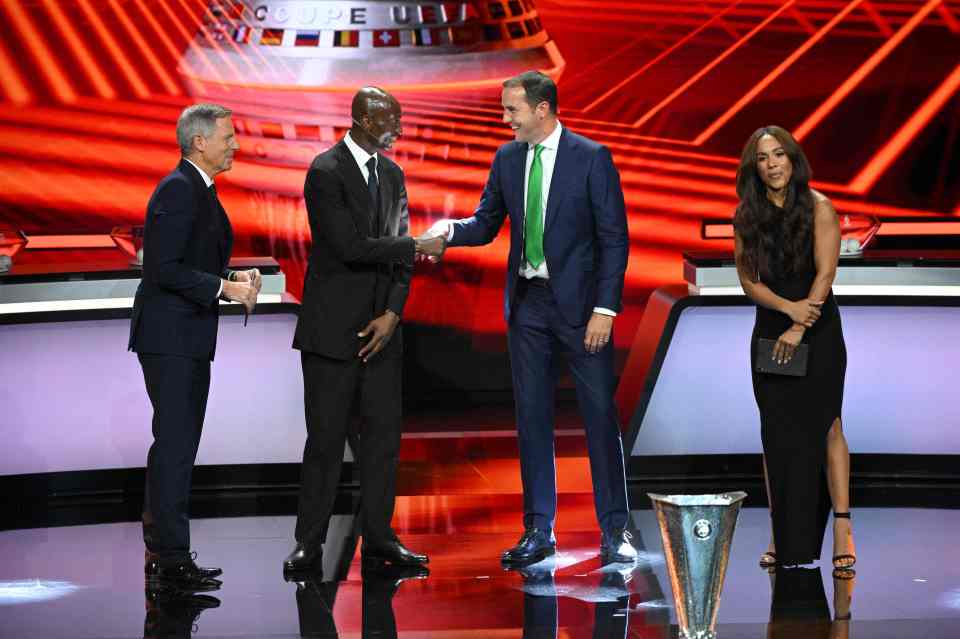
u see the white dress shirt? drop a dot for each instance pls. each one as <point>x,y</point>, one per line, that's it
<point>209,182</point>
<point>361,157</point>
<point>548,160</point>
<point>206,178</point>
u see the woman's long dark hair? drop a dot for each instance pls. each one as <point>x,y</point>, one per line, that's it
<point>774,243</point>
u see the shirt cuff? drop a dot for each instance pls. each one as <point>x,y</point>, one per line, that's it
<point>220,292</point>
<point>604,311</point>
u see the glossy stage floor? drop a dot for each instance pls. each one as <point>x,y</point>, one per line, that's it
<point>86,581</point>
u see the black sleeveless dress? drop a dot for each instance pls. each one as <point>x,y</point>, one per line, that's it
<point>795,415</point>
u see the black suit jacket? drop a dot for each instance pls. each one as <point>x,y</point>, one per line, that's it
<point>361,261</point>
<point>187,241</point>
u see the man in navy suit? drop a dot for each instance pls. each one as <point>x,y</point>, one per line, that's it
<point>568,254</point>
<point>186,247</point>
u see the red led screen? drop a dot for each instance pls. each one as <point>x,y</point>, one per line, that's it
<point>91,90</point>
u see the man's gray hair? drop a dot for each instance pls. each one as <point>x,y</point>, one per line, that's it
<point>199,119</point>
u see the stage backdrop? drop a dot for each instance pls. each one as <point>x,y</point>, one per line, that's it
<point>91,89</point>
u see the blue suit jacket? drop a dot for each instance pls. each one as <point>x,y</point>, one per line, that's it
<point>187,240</point>
<point>585,237</point>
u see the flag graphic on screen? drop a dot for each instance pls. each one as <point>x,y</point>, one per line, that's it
<point>346,39</point>
<point>307,38</point>
<point>421,37</point>
<point>386,38</point>
<point>272,37</point>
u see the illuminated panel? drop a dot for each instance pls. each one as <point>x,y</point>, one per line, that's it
<point>689,37</point>
<point>773,75</point>
<point>889,382</point>
<point>892,150</point>
<point>118,55</point>
<point>158,31</point>
<point>919,228</point>
<point>709,67</point>
<point>144,49</point>
<point>13,85</point>
<point>858,289</point>
<point>98,304</point>
<point>721,231</point>
<point>83,55</point>
<point>226,60</point>
<point>197,51</point>
<point>210,21</point>
<point>948,19</point>
<point>69,241</point>
<point>718,231</point>
<point>857,77</point>
<point>37,45</point>
<point>98,162</point>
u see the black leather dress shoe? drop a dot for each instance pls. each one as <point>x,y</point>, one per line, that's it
<point>183,576</point>
<point>616,547</point>
<point>534,545</point>
<point>303,558</point>
<point>151,561</point>
<point>392,552</point>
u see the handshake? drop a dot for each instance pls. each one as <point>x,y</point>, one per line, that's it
<point>432,244</point>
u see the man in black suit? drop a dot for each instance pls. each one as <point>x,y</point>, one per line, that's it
<point>348,333</point>
<point>186,248</point>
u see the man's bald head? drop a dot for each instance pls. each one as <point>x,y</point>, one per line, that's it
<point>369,100</point>
<point>376,119</point>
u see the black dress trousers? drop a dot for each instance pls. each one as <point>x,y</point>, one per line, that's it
<point>178,387</point>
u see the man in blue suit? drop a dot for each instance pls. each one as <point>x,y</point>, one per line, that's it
<point>187,241</point>
<point>568,254</point>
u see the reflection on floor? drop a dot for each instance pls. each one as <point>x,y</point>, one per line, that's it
<point>86,581</point>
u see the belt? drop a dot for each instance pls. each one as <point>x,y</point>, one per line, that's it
<point>535,281</point>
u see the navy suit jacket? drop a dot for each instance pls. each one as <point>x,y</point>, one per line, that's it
<point>585,237</point>
<point>187,240</point>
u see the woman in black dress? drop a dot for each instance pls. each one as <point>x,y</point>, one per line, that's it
<point>787,249</point>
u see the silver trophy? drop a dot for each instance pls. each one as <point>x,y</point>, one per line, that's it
<point>696,531</point>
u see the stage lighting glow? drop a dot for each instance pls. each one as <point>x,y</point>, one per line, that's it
<point>652,603</point>
<point>289,69</point>
<point>329,45</point>
<point>31,591</point>
<point>950,599</point>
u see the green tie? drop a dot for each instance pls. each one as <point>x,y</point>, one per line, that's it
<point>533,222</point>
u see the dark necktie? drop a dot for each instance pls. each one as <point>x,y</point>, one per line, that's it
<point>373,186</point>
<point>213,194</point>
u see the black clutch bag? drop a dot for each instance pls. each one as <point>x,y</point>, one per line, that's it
<point>796,367</point>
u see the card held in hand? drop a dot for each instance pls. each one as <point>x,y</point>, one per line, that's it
<point>796,367</point>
